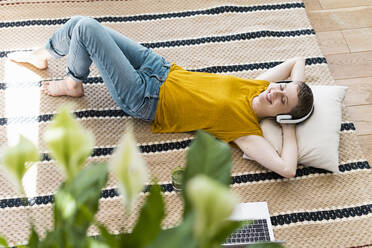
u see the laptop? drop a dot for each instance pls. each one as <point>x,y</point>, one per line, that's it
<point>259,231</point>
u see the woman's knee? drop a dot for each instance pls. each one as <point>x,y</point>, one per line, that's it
<point>87,24</point>
<point>72,24</point>
<point>75,19</point>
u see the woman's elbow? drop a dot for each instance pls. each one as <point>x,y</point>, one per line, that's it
<point>289,172</point>
<point>298,59</point>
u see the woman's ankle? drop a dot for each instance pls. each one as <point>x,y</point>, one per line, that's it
<point>43,53</point>
<point>72,84</point>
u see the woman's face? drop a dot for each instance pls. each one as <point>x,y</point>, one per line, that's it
<point>278,98</point>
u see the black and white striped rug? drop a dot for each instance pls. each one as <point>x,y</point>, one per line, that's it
<point>238,37</point>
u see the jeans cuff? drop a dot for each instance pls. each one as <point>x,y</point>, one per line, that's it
<point>49,47</point>
<point>71,75</point>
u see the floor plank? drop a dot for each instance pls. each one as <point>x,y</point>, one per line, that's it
<point>358,40</point>
<point>359,91</point>
<point>346,16</point>
<point>361,116</point>
<point>350,65</point>
<point>340,19</point>
<point>333,4</point>
<point>312,4</point>
<point>365,142</point>
<point>332,42</point>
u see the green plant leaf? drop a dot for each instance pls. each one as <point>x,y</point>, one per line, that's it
<point>129,167</point>
<point>97,244</point>
<point>149,222</point>
<point>212,203</point>
<point>180,236</point>
<point>66,204</point>
<point>53,239</point>
<point>210,157</point>
<point>106,237</point>
<point>76,203</point>
<point>82,193</point>
<point>226,228</point>
<point>3,242</point>
<point>16,160</point>
<point>68,142</point>
<point>87,186</point>
<point>33,240</point>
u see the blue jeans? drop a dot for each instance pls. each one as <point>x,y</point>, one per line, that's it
<point>132,73</point>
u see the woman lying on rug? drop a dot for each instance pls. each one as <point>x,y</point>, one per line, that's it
<point>148,87</point>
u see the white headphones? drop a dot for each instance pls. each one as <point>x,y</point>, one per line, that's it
<point>287,119</point>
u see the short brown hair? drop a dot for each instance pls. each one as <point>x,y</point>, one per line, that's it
<point>305,100</point>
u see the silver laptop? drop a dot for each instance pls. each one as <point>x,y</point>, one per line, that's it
<point>259,231</point>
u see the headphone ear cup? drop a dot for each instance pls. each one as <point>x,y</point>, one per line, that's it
<point>283,118</point>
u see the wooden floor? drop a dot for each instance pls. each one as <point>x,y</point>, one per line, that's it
<point>344,32</point>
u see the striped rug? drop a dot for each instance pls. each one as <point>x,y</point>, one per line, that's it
<point>238,37</point>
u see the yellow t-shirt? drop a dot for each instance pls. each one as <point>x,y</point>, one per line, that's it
<point>218,104</point>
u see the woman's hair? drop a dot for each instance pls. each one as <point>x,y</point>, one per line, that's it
<point>305,100</point>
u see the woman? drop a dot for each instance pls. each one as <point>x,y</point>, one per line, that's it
<point>146,86</point>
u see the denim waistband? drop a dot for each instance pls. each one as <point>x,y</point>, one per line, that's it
<point>154,72</point>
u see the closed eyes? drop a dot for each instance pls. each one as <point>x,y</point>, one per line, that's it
<point>283,97</point>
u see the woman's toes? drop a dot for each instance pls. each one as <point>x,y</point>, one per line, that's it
<point>64,87</point>
<point>44,85</point>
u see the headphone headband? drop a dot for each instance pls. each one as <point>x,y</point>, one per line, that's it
<point>287,119</point>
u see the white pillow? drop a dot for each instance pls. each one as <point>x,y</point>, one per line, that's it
<point>318,137</point>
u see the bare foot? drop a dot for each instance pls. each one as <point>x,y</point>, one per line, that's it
<point>38,58</point>
<point>65,87</point>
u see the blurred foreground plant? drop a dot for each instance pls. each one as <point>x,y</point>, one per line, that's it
<point>69,143</point>
<point>207,199</point>
<point>129,167</point>
<point>17,160</point>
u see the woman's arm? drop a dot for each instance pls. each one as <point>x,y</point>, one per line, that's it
<point>294,68</point>
<point>289,147</point>
<point>260,150</point>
